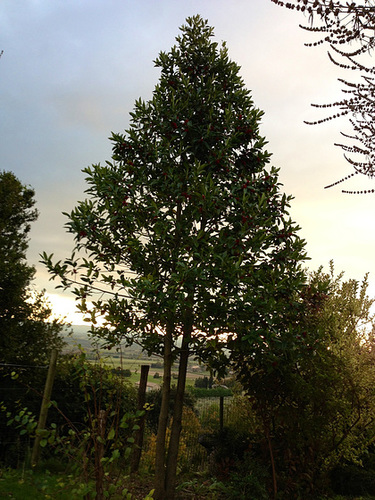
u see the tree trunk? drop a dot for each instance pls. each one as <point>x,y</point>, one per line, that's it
<point>163,417</point>
<point>274,479</point>
<point>171,469</point>
<point>44,407</point>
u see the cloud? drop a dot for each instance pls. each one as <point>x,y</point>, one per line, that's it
<point>72,70</point>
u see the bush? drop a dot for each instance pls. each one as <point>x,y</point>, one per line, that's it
<point>100,441</point>
<point>72,397</point>
<point>189,453</point>
<point>70,392</point>
<point>202,382</point>
<point>353,480</point>
<point>315,404</point>
<point>198,392</point>
<point>225,448</point>
<point>248,481</point>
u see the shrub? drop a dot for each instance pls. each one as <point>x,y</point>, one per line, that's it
<point>353,480</point>
<point>190,452</point>
<point>198,392</point>
<point>69,397</point>
<point>76,378</point>
<point>202,382</point>
<point>241,417</point>
<point>248,481</point>
<point>103,437</point>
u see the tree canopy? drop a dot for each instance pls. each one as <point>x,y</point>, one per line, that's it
<point>316,407</point>
<point>25,334</point>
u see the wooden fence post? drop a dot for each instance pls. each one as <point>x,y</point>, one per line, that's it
<point>221,412</point>
<point>35,455</point>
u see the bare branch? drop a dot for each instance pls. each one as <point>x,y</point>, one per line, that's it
<point>349,30</point>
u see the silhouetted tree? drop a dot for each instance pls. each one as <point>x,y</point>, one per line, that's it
<point>349,30</point>
<point>27,333</point>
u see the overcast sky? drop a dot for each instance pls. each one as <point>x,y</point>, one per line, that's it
<point>72,69</point>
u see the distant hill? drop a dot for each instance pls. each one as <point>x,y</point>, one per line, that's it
<point>81,337</point>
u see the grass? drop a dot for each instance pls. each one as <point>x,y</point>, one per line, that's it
<point>39,485</point>
<point>29,485</point>
<point>134,365</point>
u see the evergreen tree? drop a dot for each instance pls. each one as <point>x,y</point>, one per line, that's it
<point>185,236</point>
<point>26,336</point>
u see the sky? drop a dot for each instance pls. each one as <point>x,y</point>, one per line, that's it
<point>70,74</point>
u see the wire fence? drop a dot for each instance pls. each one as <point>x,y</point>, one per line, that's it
<point>214,412</point>
<point>201,430</point>
<point>14,447</point>
<point>209,417</point>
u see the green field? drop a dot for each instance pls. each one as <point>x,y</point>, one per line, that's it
<point>134,365</point>
<point>128,358</point>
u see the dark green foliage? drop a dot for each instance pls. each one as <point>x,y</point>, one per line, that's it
<point>184,241</point>
<point>225,447</point>
<point>235,458</point>
<point>16,214</point>
<point>96,445</point>
<point>186,219</point>
<point>121,372</point>
<point>216,392</point>
<point>315,407</point>
<point>248,480</point>
<point>81,390</point>
<point>80,386</point>
<point>202,382</point>
<point>27,333</point>
<point>353,480</point>
<point>76,393</point>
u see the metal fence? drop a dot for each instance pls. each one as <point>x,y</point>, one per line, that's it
<point>212,414</point>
